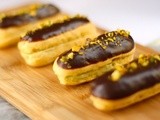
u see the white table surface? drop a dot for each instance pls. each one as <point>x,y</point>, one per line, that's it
<point>140,17</point>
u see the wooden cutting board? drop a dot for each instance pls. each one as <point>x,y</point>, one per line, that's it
<point>37,93</point>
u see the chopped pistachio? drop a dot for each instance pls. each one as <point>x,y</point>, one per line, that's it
<point>141,56</point>
<point>104,47</point>
<point>76,48</point>
<point>110,34</point>
<point>120,68</point>
<point>140,60</point>
<point>152,59</point>
<point>133,65</point>
<point>2,15</point>
<point>128,33</point>
<point>106,34</point>
<point>98,41</point>
<point>63,59</point>
<point>114,38</point>
<point>110,39</point>
<point>145,63</point>
<point>79,16</point>
<point>93,42</point>
<point>106,42</point>
<point>33,13</point>
<point>81,53</point>
<point>70,55</point>
<point>123,32</point>
<point>116,75</point>
<point>157,57</point>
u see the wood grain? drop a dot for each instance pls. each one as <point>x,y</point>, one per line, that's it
<point>37,93</point>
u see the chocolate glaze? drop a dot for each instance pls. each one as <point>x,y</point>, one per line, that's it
<point>128,84</point>
<point>55,29</point>
<point>95,53</point>
<point>21,19</point>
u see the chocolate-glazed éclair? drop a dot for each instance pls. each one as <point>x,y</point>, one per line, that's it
<point>97,56</point>
<point>134,80</point>
<point>24,19</point>
<point>39,12</point>
<point>102,48</point>
<point>55,29</point>
<point>43,45</point>
<point>127,84</point>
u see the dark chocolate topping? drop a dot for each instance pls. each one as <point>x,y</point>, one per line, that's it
<point>55,29</point>
<point>21,19</point>
<point>130,83</point>
<point>100,49</point>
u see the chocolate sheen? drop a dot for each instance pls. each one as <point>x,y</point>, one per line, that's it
<point>21,19</point>
<point>128,84</point>
<point>55,29</point>
<point>95,53</point>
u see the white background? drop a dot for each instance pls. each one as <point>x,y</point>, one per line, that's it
<point>140,17</point>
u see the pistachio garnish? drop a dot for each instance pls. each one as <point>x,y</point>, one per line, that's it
<point>118,72</point>
<point>133,65</point>
<point>70,55</point>
<point>157,57</point>
<point>116,75</point>
<point>76,48</point>
<point>63,59</point>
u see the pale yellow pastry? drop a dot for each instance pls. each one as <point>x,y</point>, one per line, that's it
<point>84,63</point>
<point>128,84</point>
<point>42,46</point>
<point>17,22</point>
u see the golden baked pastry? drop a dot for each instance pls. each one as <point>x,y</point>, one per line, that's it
<point>41,46</point>
<point>15,23</point>
<point>128,84</point>
<point>97,56</point>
